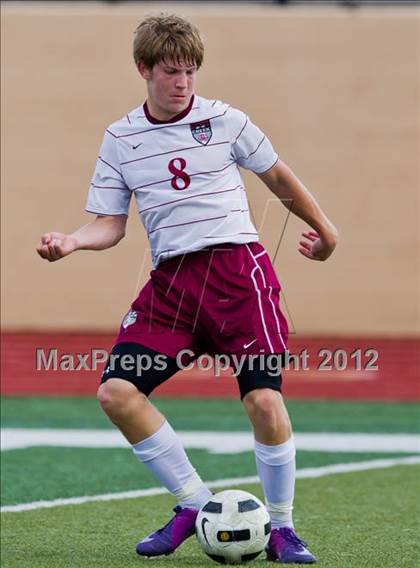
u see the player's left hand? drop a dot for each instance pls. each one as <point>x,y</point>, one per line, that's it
<point>315,247</point>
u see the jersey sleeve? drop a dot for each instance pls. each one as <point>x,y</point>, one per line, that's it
<point>251,148</point>
<point>108,193</point>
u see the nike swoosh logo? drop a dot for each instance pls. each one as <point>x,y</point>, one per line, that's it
<point>137,145</point>
<point>246,345</point>
<point>203,523</point>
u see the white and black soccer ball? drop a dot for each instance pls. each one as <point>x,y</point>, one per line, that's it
<point>233,527</point>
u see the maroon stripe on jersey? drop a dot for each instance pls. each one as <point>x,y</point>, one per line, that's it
<point>221,236</point>
<point>190,197</point>
<point>108,212</point>
<point>242,129</point>
<point>191,175</point>
<point>272,165</point>
<point>112,167</point>
<point>109,187</point>
<point>188,223</point>
<point>174,151</point>
<point>165,126</point>
<point>252,153</point>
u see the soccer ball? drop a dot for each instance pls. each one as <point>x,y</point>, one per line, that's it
<point>233,527</point>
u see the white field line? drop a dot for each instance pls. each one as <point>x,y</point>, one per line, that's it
<point>214,442</point>
<point>309,472</point>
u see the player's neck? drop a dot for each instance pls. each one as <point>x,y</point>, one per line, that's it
<point>156,114</point>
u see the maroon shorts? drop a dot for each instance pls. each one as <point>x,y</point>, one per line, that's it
<point>221,300</point>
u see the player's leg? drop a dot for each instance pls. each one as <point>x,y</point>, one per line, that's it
<point>242,317</point>
<point>123,396</point>
<point>274,445</point>
<point>129,409</point>
<point>275,459</point>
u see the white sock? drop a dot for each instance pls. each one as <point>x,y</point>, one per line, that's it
<point>164,456</point>
<point>276,468</point>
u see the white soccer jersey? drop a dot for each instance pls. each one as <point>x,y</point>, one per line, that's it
<point>184,175</point>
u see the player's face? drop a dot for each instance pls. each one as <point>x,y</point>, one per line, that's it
<point>169,86</point>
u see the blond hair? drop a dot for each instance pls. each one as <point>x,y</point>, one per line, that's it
<point>167,37</point>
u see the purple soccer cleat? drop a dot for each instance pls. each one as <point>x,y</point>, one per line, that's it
<point>286,547</point>
<point>167,539</point>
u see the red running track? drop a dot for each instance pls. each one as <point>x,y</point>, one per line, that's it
<point>397,376</point>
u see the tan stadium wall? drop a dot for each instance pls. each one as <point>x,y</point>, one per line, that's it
<point>336,92</point>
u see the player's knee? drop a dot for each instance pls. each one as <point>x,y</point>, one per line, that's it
<point>264,405</point>
<point>116,396</point>
<point>261,400</point>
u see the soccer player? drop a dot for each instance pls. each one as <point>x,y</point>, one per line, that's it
<point>213,288</point>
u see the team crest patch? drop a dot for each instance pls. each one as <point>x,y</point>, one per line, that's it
<point>201,131</point>
<point>129,319</point>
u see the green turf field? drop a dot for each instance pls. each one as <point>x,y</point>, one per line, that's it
<point>363,519</point>
<point>307,416</point>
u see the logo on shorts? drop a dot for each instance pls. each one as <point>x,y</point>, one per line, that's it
<point>201,131</point>
<point>129,319</point>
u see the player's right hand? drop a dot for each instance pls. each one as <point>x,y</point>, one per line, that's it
<point>54,246</point>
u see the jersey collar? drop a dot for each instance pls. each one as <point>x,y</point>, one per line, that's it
<point>175,118</point>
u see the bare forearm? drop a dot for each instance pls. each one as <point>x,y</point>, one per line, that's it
<point>296,197</point>
<point>302,203</point>
<point>315,245</point>
<point>100,234</point>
